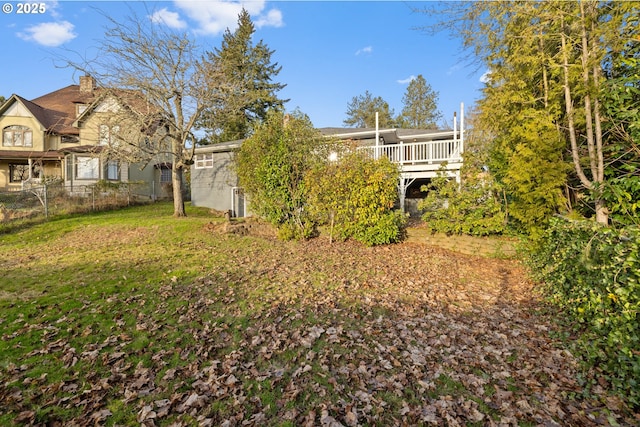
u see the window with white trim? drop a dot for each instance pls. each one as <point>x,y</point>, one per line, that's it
<point>108,135</point>
<point>204,161</point>
<point>112,170</point>
<point>17,136</point>
<point>87,167</point>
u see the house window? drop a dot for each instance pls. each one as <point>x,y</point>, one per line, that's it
<point>112,170</point>
<point>69,139</point>
<point>17,136</point>
<point>204,161</point>
<point>19,172</point>
<point>87,168</point>
<point>165,175</point>
<point>108,135</point>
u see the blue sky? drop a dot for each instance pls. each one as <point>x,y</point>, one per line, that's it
<point>330,51</point>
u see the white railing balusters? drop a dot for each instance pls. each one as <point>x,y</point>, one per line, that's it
<point>419,152</point>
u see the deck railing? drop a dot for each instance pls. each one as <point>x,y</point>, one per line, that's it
<point>419,152</point>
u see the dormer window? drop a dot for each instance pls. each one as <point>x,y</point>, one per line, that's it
<point>80,108</point>
<point>17,136</point>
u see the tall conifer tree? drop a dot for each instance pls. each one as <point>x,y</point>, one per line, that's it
<point>420,109</point>
<point>361,112</point>
<point>548,100</point>
<point>233,115</point>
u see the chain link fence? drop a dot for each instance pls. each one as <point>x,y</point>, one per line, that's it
<point>54,199</point>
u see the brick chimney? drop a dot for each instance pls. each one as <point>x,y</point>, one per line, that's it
<point>87,84</point>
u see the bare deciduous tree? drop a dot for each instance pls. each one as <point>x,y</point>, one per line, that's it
<point>157,83</point>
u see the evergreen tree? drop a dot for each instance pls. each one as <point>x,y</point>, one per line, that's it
<point>248,67</point>
<point>621,103</point>
<point>548,63</point>
<point>420,106</point>
<point>361,112</point>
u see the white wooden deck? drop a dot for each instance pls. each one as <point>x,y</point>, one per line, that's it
<point>422,159</point>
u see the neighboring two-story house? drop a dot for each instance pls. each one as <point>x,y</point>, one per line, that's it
<point>64,135</point>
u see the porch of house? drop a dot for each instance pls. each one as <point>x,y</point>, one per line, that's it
<point>421,161</point>
<point>421,154</point>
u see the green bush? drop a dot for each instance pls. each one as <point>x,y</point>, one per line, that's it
<point>355,196</point>
<point>471,208</point>
<point>271,166</point>
<point>592,274</point>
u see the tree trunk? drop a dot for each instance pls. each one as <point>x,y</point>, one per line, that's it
<point>595,156</point>
<point>602,213</point>
<point>178,200</point>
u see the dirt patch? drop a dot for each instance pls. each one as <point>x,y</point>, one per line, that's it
<point>101,236</point>
<point>7,215</point>
<point>242,227</point>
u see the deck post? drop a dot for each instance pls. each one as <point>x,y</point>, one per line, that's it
<point>401,194</point>
<point>461,128</point>
<point>377,138</point>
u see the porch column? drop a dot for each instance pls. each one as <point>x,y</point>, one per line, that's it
<point>30,168</point>
<point>403,184</point>
<point>461,128</point>
<point>401,193</point>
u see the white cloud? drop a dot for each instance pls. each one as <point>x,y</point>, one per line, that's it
<point>171,19</point>
<point>52,8</point>
<point>49,34</point>
<point>453,69</point>
<point>367,49</point>
<point>215,16</point>
<point>407,80</point>
<point>273,18</point>
<point>486,77</point>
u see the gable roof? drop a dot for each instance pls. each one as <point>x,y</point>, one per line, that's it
<point>132,100</point>
<point>60,106</point>
<point>35,110</point>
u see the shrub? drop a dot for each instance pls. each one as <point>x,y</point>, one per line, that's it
<point>271,166</point>
<point>471,208</point>
<point>356,195</point>
<point>592,274</point>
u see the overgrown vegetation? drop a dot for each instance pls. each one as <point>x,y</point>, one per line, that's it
<point>355,195</point>
<point>285,169</point>
<point>473,208</point>
<point>272,165</point>
<point>592,274</point>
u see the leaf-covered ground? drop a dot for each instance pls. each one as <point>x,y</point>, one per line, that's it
<point>274,333</point>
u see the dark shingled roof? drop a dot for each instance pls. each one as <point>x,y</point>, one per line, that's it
<point>57,110</point>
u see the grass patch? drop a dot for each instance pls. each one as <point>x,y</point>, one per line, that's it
<point>129,316</point>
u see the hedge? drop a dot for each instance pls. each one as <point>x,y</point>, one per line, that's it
<point>591,273</point>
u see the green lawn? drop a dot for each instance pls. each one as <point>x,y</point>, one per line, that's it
<point>133,316</point>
